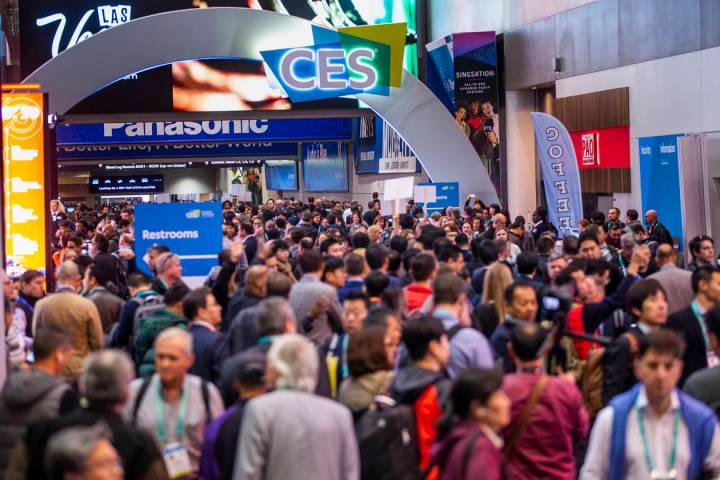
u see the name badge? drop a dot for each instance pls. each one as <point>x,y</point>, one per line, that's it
<point>712,359</point>
<point>671,475</point>
<point>177,460</point>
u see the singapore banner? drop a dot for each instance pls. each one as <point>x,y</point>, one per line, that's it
<point>560,173</point>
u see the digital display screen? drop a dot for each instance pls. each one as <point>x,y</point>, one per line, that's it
<point>281,175</point>
<point>49,28</point>
<point>325,167</point>
<point>128,184</point>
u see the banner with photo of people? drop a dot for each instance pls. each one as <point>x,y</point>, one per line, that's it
<point>475,98</point>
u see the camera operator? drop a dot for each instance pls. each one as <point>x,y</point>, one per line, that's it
<point>587,316</point>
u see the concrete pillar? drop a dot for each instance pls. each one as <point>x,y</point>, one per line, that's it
<point>521,164</point>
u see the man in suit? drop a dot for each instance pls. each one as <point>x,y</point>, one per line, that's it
<point>309,291</point>
<point>656,230</point>
<point>74,313</point>
<point>247,238</point>
<point>271,446</point>
<point>676,282</point>
<point>209,346</point>
<point>689,322</point>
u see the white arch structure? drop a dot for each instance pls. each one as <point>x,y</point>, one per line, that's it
<point>231,32</point>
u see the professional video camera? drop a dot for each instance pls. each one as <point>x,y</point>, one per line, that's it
<point>555,306</point>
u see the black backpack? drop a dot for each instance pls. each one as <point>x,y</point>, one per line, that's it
<point>387,439</point>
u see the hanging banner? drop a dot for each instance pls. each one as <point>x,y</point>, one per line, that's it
<point>560,173</point>
<point>441,71</point>
<point>23,122</point>
<point>476,97</point>
<point>660,180</point>
<point>378,148</point>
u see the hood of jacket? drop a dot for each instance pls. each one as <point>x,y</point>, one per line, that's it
<point>410,382</point>
<point>25,388</point>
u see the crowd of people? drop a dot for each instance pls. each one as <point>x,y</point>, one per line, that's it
<point>334,342</point>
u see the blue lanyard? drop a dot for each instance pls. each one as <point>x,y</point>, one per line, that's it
<point>26,303</point>
<point>181,413</point>
<point>622,265</point>
<point>703,327</point>
<point>646,448</point>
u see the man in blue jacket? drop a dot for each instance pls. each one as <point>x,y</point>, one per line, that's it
<point>654,430</point>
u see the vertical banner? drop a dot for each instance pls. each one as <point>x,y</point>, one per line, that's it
<point>379,148</point>
<point>193,231</point>
<point>560,173</point>
<point>476,98</point>
<point>660,180</point>
<point>24,189</point>
<point>441,71</point>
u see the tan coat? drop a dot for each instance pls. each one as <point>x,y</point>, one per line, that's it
<point>80,317</point>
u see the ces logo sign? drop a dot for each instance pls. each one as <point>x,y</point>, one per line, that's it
<point>349,61</point>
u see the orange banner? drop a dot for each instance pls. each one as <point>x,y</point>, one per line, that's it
<point>23,122</point>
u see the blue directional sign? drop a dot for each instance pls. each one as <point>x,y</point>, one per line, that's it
<point>193,231</point>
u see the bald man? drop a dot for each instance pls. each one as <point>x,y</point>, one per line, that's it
<point>657,232</point>
<point>498,221</point>
<point>676,282</point>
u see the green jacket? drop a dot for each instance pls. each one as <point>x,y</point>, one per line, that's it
<point>148,330</point>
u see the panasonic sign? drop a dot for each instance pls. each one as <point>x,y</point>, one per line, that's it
<point>170,129</point>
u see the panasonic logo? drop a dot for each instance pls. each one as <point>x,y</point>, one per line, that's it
<point>170,234</point>
<point>170,129</point>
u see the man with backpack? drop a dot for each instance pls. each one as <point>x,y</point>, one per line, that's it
<point>141,295</point>
<point>468,347</point>
<point>421,385</point>
<point>170,315</point>
<point>646,302</point>
<point>168,404</point>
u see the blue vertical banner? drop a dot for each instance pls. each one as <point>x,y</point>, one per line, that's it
<point>193,231</point>
<point>660,180</point>
<point>560,173</point>
<point>441,71</point>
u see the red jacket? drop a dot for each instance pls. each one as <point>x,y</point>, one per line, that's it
<point>416,295</point>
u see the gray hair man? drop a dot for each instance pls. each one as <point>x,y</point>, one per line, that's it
<point>104,386</point>
<point>271,445</point>
<point>83,453</point>
<point>169,272</point>
<point>173,405</point>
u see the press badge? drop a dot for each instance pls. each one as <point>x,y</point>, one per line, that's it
<point>177,460</point>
